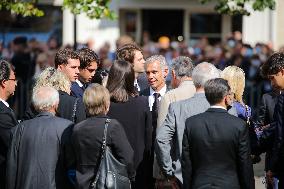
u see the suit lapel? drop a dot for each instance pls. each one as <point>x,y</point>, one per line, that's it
<point>9,111</point>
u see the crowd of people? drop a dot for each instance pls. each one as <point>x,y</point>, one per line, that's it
<point>176,119</point>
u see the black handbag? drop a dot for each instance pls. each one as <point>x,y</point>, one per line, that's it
<point>111,173</point>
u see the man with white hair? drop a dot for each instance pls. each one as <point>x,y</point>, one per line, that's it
<point>35,159</point>
<point>169,136</point>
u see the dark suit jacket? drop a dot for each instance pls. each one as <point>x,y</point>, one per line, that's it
<point>65,108</point>
<point>8,120</point>
<point>215,152</point>
<point>278,149</point>
<point>87,142</point>
<point>36,158</point>
<point>76,90</point>
<point>142,81</point>
<point>265,116</point>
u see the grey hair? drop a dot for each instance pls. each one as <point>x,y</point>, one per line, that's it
<point>159,58</point>
<point>44,98</point>
<point>182,66</point>
<point>204,72</point>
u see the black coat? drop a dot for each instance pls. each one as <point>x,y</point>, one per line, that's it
<point>135,117</point>
<point>265,116</point>
<point>87,143</point>
<point>8,120</point>
<point>278,149</point>
<point>65,108</point>
<point>215,152</point>
<point>36,157</point>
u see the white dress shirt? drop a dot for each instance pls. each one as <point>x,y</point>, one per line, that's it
<point>152,98</point>
<point>4,102</point>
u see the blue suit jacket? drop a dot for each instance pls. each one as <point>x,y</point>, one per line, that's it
<point>76,90</point>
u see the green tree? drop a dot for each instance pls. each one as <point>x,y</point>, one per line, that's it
<point>100,8</point>
<point>92,8</point>
<point>232,7</point>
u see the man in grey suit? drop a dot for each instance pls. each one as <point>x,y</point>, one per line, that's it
<point>36,158</point>
<point>215,147</point>
<point>181,70</point>
<point>169,136</point>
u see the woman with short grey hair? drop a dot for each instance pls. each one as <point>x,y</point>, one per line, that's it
<point>88,136</point>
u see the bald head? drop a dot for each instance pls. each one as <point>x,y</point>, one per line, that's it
<point>45,99</point>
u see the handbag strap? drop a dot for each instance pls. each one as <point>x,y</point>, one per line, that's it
<point>74,110</point>
<point>105,136</point>
<point>93,183</point>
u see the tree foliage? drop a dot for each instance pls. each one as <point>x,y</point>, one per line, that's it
<point>100,8</point>
<point>243,7</point>
<point>92,8</point>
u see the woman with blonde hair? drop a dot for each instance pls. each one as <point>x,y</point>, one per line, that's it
<point>69,107</point>
<point>236,79</point>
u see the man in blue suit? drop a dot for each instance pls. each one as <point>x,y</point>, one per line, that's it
<point>88,65</point>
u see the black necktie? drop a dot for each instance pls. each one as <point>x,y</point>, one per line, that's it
<point>155,109</point>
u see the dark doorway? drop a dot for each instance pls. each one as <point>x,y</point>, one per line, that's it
<point>163,23</point>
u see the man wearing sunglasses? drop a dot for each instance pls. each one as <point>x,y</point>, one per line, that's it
<point>8,119</point>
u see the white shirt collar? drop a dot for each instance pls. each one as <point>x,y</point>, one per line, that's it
<point>79,83</point>
<point>136,85</point>
<point>4,102</point>
<point>162,91</point>
<point>218,107</point>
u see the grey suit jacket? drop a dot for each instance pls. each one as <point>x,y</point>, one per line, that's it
<point>169,136</point>
<point>184,91</point>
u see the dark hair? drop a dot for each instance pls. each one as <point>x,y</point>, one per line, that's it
<point>216,89</point>
<point>127,52</point>
<point>62,56</point>
<point>87,56</point>
<point>274,64</point>
<point>121,81</point>
<point>5,70</point>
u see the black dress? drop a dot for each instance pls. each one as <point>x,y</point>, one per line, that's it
<point>135,117</point>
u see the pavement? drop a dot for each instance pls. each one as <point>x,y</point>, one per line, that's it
<point>259,174</point>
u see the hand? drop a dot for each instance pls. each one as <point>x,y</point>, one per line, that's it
<point>269,178</point>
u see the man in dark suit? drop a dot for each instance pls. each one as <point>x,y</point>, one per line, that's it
<point>215,148</point>
<point>67,61</point>
<point>273,69</point>
<point>265,121</point>
<point>156,70</point>
<point>36,156</point>
<point>88,65</point>
<point>132,53</point>
<point>8,119</point>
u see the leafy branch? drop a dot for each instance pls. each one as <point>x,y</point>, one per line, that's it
<point>233,7</point>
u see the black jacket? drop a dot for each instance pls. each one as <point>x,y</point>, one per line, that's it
<point>278,148</point>
<point>265,116</point>
<point>87,144</point>
<point>215,152</point>
<point>8,120</point>
<point>65,108</point>
<point>36,156</point>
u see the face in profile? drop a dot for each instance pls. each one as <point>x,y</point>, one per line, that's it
<point>88,73</point>
<point>277,80</point>
<point>71,69</point>
<point>138,62</point>
<point>11,84</point>
<point>156,75</point>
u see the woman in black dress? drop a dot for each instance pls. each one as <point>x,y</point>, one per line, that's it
<point>132,111</point>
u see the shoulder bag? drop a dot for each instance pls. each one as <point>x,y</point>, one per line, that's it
<point>111,173</point>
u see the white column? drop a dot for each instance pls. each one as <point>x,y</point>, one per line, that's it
<point>68,27</point>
